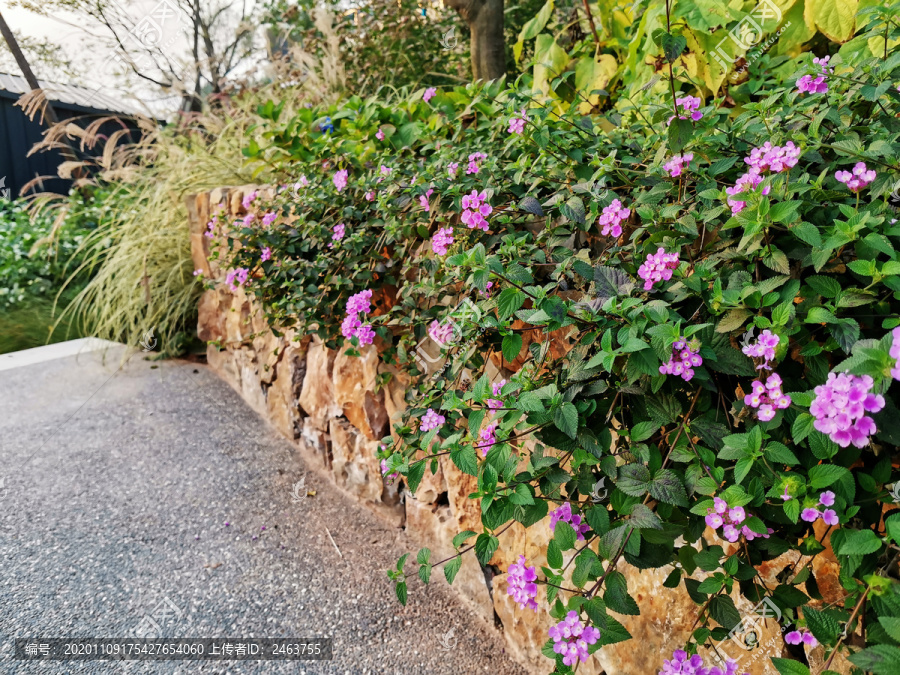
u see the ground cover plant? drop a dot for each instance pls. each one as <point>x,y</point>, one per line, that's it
<point>698,306</point>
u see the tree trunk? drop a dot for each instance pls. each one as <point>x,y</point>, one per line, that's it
<point>485,20</point>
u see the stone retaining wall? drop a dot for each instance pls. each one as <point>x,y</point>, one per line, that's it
<point>328,404</point>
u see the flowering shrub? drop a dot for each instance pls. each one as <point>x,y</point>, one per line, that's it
<point>718,464</point>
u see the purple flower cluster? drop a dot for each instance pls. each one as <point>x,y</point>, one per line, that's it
<point>269,218</point>
<point>340,179</point>
<point>895,353</point>
<point>858,178</point>
<point>767,398</point>
<point>429,94</point>
<point>774,158</point>
<point>441,240</point>
<point>249,218</point>
<point>488,439</point>
<point>452,168</point>
<point>475,209</point>
<point>370,196</point>
<point>248,199</point>
<point>517,123</point>
<point>474,158</point>
<point>352,326</point>
<point>339,231</point>
<point>657,267</point>
<point>680,663</point>
<point>423,199</point>
<point>384,471</point>
<point>431,420</point>
<point>379,134</point>
<point>689,106</point>
<point>572,638</point>
<point>236,278</point>
<point>520,584</point>
<point>612,217</point>
<point>441,333</point>
<point>795,637</point>
<point>685,357</point>
<point>763,349</point>
<point>303,182</point>
<point>675,166</point>
<point>564,513</point>
<point>840,409</point>
<point>730,519</point>
<point>266,254</point>
<point>816,85</point>
<point>211,226</point>
<point>745,183</point>
<point>829,516</point>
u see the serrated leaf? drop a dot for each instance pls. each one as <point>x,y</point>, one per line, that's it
<point>634,479</point>
<point>642,517</point>
<point>667,487</point>
<point>452,568</point>
<point>485,546</point>
<point>858,542</point>
<point>400,590</point>
<point>512,345</point>
<point>616,596</point>
<point>825,628</point>
<point>531,205</point>
<point>789,667</point>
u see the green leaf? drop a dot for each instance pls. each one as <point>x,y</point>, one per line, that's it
<point>465,459</point>
<point>565,417</point>
<point>462,537</point>
<point>643,430</point>
<point>564,535</point>
<point>822,625</point>
<point>722,609</point>
<point>425,573</point>
<point>822,446</point>
<point>789,667</point>
<point>532,28</point>
<point>802,426</point>
<point>423,555</point>
<point>509,302</point>
<point>512,345</point>
<point>613,632</point>
<point>823,475</point>
<point>554,555</point>
<point>485,546</point>
<point>880,659</point>
<point>667,487</point>
<point>891,625</point>
<point>673,46</point>
<point>780,453</point>
<point>414,476</point>
<point>616,596</point>
<point>858,542</point>
<point>634,479</point>
<point>452,568</point>
<point>642,517</point>
<point>400,590</point>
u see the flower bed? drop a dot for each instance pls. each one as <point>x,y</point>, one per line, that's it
<point>726,425</point>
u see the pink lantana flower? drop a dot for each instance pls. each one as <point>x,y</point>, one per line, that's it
<point>340,179</point>
<point>429,94</point>
<point>689,107</point>
<point>857,179</point>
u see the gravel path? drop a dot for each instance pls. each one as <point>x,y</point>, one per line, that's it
<point>117,487</point>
